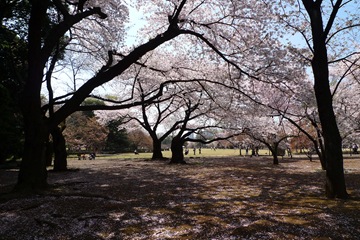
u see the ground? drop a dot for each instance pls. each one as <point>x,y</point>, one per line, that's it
<point>208,198</point>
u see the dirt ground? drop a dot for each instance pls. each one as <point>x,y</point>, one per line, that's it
<point>217,198</point>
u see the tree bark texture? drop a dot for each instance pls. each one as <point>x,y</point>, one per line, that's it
<point>335,179</point>
<point>60,160</point>
<point>177,151</point>
<point>49,153</point>
<point>157,153</point>
<point>33,173</point>
<point>275,159</point>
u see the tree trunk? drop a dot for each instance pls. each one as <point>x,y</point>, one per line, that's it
<point>49,153</point>
<point>335,179</point>
<point>273,150</point>
<point>319,148</point>
<point>275,156</point>
<point>33,174</point>
<point>322,161</point>
<point>321,157</point>
<point>275,160</point>
<point>157,153</point>
<point>60,161</point>
<point>177,151</point>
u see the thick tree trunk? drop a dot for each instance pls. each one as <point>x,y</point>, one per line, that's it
<point>274,152</point>
<point>335,179</point>
<point>157,153</point>
<point>177,151</point>
<point>275,160</point>
<point>60,161</point>
<point>275,157</point>
<point>33,173</point>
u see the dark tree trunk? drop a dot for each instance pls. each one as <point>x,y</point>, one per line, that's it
<point>33,174</point>
<point>157,153</point>
<point>60,161</point>
<point>321,157</point>
<point>177,151</point>
<point>322,161</point>
<point>49,153</point>
<point>335,179</point>
<point>319,148</point>
<point>275,156</point>
<point>274,152</point>
<point>275,159</point>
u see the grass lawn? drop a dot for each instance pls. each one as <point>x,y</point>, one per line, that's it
<point>205,152</point>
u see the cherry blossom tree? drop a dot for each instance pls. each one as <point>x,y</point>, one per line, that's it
<point>323,25</point>
<point>345,97</point>
<point>153,117</point>
<point>300,110</point>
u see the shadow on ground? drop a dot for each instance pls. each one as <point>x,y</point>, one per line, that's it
<point>237,198</point>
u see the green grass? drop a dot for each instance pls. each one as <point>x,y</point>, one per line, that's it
<point>205,152</point>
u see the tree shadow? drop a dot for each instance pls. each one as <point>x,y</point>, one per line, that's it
<point>207,198</point>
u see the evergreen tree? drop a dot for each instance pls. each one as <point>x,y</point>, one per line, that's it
<point>117,139</point>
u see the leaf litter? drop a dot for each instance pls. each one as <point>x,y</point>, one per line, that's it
<point>208,198</point>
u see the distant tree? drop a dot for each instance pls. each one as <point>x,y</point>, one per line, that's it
<point>302,114</point>
<point>270,133</point>
<point>84,131</point>
<point>196,119</point>
<point>345,100</point>
<point>160,114</point>
<point>139,140</point>
<point>91,102</point>
<point>117,139</point>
